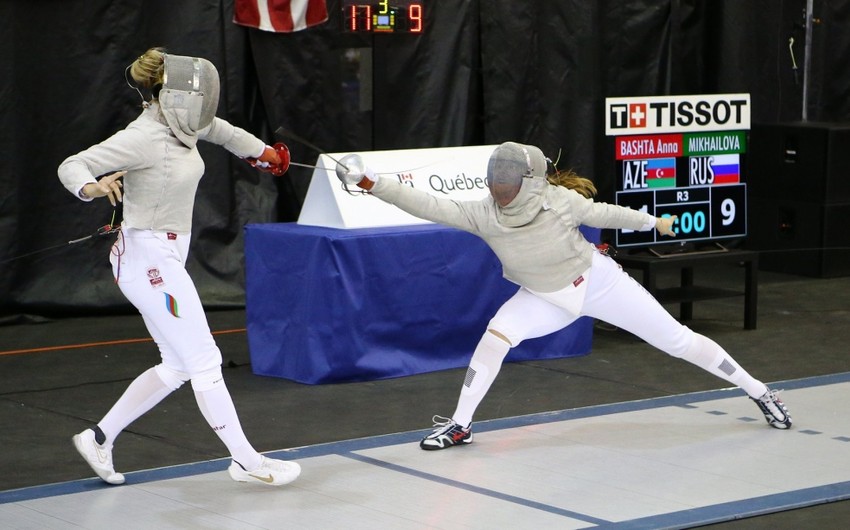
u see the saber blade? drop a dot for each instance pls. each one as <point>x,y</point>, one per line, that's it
<point>280,131</point>
<point>291,163</point>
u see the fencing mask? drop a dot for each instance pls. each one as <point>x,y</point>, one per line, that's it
<point>512,166</point>
<point>189,95</point>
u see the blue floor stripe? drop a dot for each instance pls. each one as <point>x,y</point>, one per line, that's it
<point>741,509</point>
<point>477,489</point>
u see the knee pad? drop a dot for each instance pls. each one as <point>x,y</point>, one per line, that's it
<point>207,380</point>
<point>172,378</point>
<point>707,354</point>
<point>485,363</point>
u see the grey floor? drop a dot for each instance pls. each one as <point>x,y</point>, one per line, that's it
<point>803,331</point>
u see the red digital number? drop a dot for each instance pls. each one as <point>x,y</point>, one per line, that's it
<point>352,17</point>
<point>414,16</point>
<point>358,17</point>
<point>354,10</point>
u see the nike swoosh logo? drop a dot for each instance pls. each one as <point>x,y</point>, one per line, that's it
<point>101,454</point>
<point>268,480</point>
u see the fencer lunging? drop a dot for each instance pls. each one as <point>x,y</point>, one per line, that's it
<point>530,220</point>
<point>157,158</point>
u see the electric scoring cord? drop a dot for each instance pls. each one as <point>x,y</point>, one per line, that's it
<point>104,230</point>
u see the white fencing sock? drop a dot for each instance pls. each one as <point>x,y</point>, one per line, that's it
<point>483,369</point>
<point>142,395</point>
<point>709,356</point>
<point>217,407</point>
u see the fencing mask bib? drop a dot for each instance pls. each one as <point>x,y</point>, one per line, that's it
<point>189,96</point>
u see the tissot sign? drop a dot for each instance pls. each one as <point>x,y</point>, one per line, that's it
<point>682,156</point>
<point>673,114</point>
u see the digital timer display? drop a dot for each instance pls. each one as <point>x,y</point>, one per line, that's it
<point>384,16</point>
<point>697,177</point>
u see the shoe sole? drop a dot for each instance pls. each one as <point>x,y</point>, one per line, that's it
<point>422,445</point>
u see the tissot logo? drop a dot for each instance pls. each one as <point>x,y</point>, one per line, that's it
<point>627,116</point>
<point>670,114</point>
<point>637,115</point>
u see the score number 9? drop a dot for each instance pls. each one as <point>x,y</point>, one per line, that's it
<point>695,222</point>
<point>727,208</point>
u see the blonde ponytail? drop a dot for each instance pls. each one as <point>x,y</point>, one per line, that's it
<point>148,69</point>
<point>571,180</point>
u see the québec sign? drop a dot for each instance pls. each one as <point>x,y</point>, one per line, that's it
<point>449,172</point>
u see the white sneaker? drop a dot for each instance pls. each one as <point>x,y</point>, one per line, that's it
<point>448,434</point>
<point>271,472</point>
<point>98,457</point>
<point>774,410</point>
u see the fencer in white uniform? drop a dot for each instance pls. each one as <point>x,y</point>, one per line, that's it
<point>531,223</point>
<point>157,159</point>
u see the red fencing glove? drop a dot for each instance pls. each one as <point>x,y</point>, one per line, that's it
<point>274,160</point>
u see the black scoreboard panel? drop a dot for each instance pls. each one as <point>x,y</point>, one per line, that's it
<point>703,213</point>
<point>698,177</point>
<point>383,16</point>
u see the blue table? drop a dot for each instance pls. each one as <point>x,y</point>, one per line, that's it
<point>327,305</point>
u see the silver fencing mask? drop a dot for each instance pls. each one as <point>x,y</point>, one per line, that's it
<point>509,167</point>
<point>189,95</point>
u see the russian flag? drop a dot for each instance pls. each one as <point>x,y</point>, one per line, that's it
<point>661,173</point>
<point>727,168</point>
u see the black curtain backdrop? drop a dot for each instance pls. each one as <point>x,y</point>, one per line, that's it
<point>484,71</point>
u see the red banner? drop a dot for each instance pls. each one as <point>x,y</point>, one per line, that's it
<point>648,146</point>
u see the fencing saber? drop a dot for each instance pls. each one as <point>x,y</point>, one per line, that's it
<point>280,131</point>
<point>291,163</point>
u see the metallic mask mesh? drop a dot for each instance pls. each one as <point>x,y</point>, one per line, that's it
<point>197,81</point>
<point>509,165</point>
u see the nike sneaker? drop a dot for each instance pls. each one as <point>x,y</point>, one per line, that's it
<point>98,457</point>
<point>271,472</point>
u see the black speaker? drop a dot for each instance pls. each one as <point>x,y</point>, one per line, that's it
<point>804,161</point>
<point>801,238</point>
<point>799,198</point>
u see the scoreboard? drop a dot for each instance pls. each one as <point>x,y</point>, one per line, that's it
<point>697,176</point>
<point>400,16</point>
